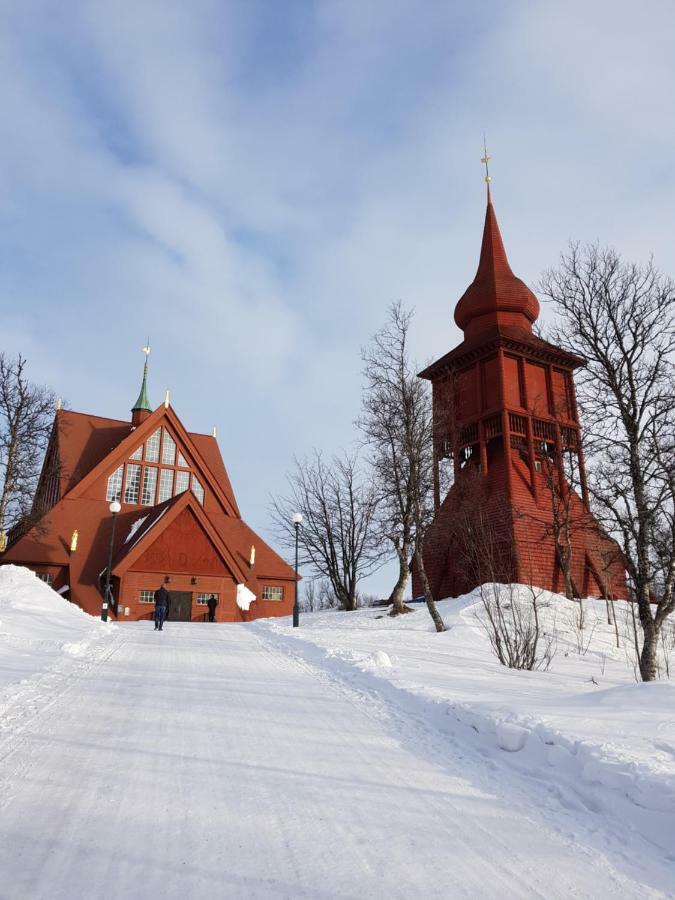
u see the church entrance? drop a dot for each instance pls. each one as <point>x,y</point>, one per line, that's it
<point>180,606</point>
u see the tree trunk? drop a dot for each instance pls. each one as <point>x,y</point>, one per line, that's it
<point>650,643</point>
<point>398,607</point>
<point>426,587</point>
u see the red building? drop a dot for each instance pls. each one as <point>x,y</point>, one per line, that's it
<point>505,416</point>
<point>179,522</point>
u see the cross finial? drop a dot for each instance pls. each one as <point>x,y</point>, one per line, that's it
<point>485,159</point>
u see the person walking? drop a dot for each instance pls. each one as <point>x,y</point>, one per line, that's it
<point>212,603</point>
<point>161,604</point>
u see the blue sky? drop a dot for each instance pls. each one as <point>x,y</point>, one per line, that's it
<point>252,183</point>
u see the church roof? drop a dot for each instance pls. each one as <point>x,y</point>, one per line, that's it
<point>495,296</point>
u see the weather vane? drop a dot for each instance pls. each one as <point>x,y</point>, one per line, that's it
<point>485,159</point>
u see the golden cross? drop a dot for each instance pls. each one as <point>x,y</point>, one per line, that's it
<point>485,159</point>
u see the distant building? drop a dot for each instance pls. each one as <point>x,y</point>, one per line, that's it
<point>179,524</point>
<point>505,416</point>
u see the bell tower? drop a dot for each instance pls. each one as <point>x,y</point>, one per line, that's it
<point>506,418</point>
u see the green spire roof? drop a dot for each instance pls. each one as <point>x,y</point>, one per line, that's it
<point>142,402</point>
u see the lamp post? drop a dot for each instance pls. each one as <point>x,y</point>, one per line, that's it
<point>297,522</point>
<point>114,508</point>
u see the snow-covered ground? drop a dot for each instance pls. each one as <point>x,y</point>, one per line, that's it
<point>585,727</point>
<point>43,640</point>
<point>355,757</point>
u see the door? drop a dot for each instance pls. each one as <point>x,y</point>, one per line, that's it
<point>180,606</point>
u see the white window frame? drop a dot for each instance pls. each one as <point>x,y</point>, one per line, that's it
<point>146,597</point>
<point>268,589</point>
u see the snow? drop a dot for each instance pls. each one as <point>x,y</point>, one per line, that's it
<point>585,725</point>
<point>134,528</point>
<point>356,756</point>
<point>244,597</point>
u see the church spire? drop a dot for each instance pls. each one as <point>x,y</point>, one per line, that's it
<point>141,408</point>
<point>496,297</point>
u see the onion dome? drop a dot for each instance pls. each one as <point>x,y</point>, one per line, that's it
<point>496,296</point>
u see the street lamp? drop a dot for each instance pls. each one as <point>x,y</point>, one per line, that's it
<point>114,508</point>
<point>297,522</point>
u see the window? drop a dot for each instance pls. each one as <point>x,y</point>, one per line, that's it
<point>203,599</point>
<point>149,485</point>
<point>114,491</point>
<point>165,485</point>
<point>270,592</point>
<point>46,577</point>
<point>182,482</point>
<point>138,453</point>
<point>197,490</point>
<point>133,483</point>
<point>152,447</point>
<point>168,449</point>
<point>537,465</point>
<point>147,597</point>
<point>182,462</point>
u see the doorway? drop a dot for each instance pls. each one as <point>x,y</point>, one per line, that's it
<point>180,606</point>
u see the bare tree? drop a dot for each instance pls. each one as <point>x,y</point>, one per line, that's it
<point>397,425</point>
<point>338,538</point>
<point>621,317</point>
<point>508,613</point>
<point>26,416</point>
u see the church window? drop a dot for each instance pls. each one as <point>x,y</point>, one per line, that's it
<point>182,482</point>
<point>197,490</point>
<point>168,450</point>
<point>132,484</point>
<point>165,485</point>
<point>203,599</point>
<point>46,577</point>
<point>149,485</point>
<point>272,592</point>
<point>182,462</point>
<point>152,447</point>
<point>138,453</point>
<point>147,597</point>
<point>114,491</point>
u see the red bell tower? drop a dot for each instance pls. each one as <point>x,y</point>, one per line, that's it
<point>505,415</point>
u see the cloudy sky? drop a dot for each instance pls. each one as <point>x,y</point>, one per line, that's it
<point>252,182</point>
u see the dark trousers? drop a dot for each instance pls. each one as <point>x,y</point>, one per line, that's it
<point>212,615</point>
<point>160,613</point>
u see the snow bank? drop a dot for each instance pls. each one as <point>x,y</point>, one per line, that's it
<point>584,725</point>
<point>40,633</point>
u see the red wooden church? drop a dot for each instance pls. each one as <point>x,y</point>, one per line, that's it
<point>179,523</point>
<point>505,415</point>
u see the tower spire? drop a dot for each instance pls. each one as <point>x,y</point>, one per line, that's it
<point>485,159</point>
<point>141,408</point>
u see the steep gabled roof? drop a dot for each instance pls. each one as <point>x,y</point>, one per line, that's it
<point>158,520</point>
<point>84,441</point>
<point>220,486</point>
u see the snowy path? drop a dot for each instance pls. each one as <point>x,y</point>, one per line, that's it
<point>203,762</point>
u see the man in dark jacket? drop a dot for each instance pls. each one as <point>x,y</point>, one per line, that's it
<point>161,603</point>
<point>212,603</point>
